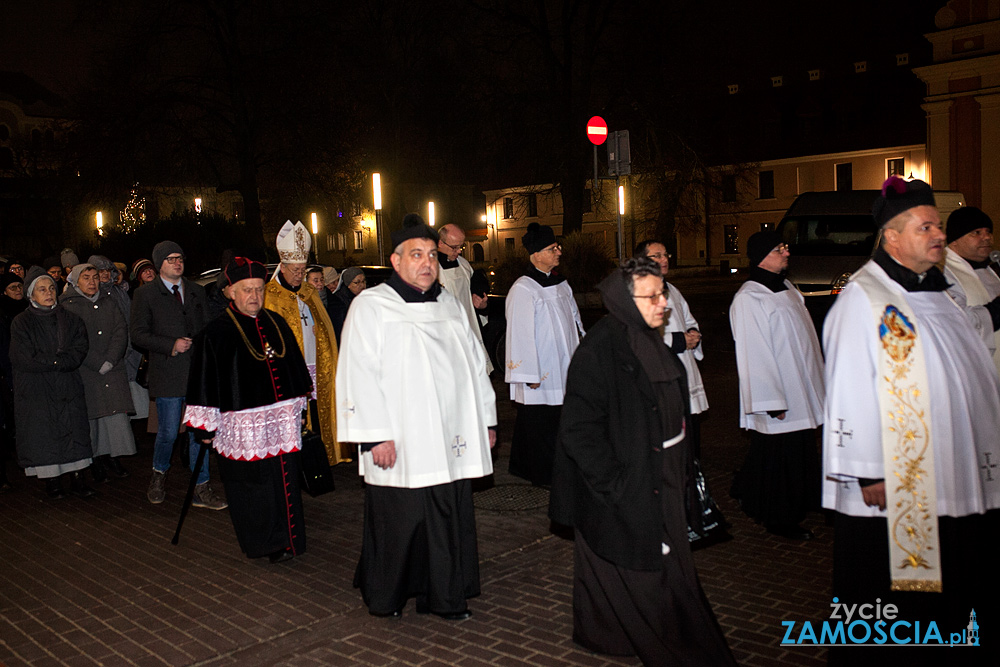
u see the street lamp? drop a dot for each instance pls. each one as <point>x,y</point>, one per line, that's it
<point>430,213</point>
<point>99,217</point>
<point>377,192</point>
<point>621,200</point>
<point>315,228</point>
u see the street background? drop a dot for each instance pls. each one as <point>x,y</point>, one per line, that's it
<point>97,582</point>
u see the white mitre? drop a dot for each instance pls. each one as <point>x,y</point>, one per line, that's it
<point>293,243</point>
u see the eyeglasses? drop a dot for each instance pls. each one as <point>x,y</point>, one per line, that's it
<point>174,260</point>
<point>656,257</point>
<point>553,249</point>
<point>460,246</point>
<point>653,298</point>
<point>780,248</point>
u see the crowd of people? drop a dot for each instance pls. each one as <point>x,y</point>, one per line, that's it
<point>397,376</point>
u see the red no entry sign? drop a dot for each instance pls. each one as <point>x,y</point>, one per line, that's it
<point>597,130</point>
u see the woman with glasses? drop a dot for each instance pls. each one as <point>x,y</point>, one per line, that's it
<point>619,480</point>
<point>681,334</point>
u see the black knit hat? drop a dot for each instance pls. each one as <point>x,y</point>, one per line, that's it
<point>899,196</point>
<point>538,237</point>
<point>162,250</point>
<point>966,219</point>
<point>414,227</point>
<point>761,243</point>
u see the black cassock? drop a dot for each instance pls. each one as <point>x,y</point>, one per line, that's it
<point>232,371</point>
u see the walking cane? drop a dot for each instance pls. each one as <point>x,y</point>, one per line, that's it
<point>190,493</point>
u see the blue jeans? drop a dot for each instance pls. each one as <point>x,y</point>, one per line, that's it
<point>169,411</point>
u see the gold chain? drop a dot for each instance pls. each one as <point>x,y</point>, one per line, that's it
<point>269,352</point>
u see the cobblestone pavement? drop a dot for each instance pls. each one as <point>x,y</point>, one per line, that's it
<point>97,582</point>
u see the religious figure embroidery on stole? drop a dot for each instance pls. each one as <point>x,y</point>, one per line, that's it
<point>458,447</point>
<point>914,523</point>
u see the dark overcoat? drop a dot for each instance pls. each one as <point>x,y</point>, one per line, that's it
<point>158,320</point>
<point>47,348</point>
<point>608,468</point>
<point>107,394</point>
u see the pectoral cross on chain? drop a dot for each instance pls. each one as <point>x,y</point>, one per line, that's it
<point>988,467</point>
<point>841,433</point>
<point>458,446</point>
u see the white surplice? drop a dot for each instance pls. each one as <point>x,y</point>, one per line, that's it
<point>680,321</point>
<point>543,331</point>
<point>972,289</point>
<point>778,359</point>
<point>414,373</point>
<point>964,403</point>
<point>458,281</point>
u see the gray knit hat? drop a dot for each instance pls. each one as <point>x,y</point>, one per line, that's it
<point>162,250</point>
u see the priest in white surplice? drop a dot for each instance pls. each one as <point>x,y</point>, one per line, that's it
<point>781,393</point>
<point>413,393</point>
<point>912,398</point>
<point>975,286</point>
<point>543,330</point>
<point>455,275</point>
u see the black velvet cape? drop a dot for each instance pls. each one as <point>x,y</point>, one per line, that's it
<point>225,375</point>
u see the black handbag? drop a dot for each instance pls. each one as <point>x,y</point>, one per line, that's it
<point>317,478</point>
<point>706,524</point>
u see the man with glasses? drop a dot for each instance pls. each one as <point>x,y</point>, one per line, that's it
<point>298,303</point>
<point>455,275</point>
<point>781,393</point>
<point>166,315</point>
<point>543,330</point>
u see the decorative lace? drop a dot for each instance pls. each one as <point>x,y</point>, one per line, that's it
<point>312,374</point>
<point>253,434</point>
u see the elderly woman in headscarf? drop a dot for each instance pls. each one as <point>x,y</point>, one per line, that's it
<point>103,371</point>
<point>47,347</point>
<point>619,475</point>
<point>352,282</point>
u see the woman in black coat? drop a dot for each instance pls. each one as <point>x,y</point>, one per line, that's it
<point>47,346</point>
<point>619,475</point>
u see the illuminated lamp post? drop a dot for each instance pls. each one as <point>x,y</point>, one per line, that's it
<point>430,213</point>
<point>315,230</point>
<point>377,193</point>
<point>99,218</point>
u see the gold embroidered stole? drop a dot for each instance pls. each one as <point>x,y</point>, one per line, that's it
<point>907,447</point>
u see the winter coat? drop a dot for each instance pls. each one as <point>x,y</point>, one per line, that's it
<point>47,348</point>
<point>107,332</point>
<point>158,320</point>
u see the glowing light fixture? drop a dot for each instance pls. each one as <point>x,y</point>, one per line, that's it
<point>99,217</point>
<point>621,199</point>
<point>197,204</point>
<point>430,213</point>
<point>315,225</point>
<point>377,187</point>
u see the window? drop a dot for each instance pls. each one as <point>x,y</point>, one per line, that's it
<point>341,241</point>
<point>532,201</point>
<point>329,242</point>
<point>728,188</point>
<point>844,177</point>
<point>508,246</point>
<point>895,167</point>
<point>4,133</point>
<point>731,239</point>
<point>588,200</point>
<point>359,239</point>
<point>356,209</point>
<point>508,208</point>
<point>765,185</point>
<point>477,253</point>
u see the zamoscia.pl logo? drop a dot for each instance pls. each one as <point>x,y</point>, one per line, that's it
<point>874,624</point>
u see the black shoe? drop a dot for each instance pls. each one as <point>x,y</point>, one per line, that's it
<point>392,614</point>
<point>117,469</point>
<point>455,616</point>
<point>53,489</point>
<point>78,487</point>
<point>97,470</point>
<point>280,556</point>
<point>794,532</point>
